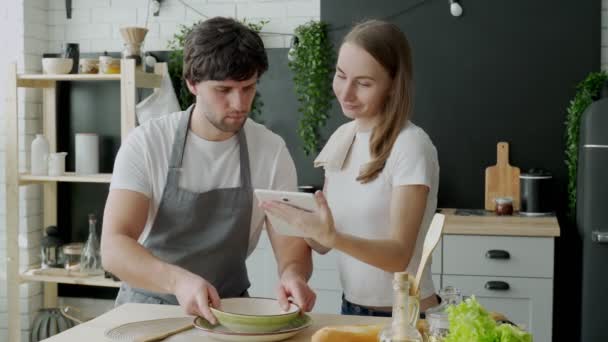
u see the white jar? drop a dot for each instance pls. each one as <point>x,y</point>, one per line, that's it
<point>87,153</point>
<point>57,164</point>
<point>40,152</point>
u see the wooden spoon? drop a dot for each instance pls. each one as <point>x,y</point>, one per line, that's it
<point>430,242</point>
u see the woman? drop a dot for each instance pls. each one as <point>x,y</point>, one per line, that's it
<point>381,198</point>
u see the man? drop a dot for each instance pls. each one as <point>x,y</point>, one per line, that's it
<point>180,218</point>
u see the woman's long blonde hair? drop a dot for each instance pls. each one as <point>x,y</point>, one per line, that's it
<point>389,46</point>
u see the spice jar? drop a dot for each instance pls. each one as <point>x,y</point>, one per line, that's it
<point>504,206</point>
<point>72,252</point>
<point>109,65</point>
<point>88,66</point>
<point>51,248</point>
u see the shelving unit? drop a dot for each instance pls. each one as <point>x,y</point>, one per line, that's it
<point>130,79</point>
<point>25,179</point>
<point>34,275</point>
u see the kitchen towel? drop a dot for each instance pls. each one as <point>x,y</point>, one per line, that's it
<point>334,154</point>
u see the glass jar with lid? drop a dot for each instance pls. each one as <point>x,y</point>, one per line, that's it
<point>437,317</point>
<point>72,252</point>
<point>439,326</point>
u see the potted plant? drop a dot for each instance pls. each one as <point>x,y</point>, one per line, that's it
<point>586,92</point>
<point>312,62</point>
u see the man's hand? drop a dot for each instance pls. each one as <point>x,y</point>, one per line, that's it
<point>195,294</point>
<point>298,289</point>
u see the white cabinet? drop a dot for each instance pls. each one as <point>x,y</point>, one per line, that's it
<point>325,280</point>
<point>437,264</point>
<point>510,275</point>
<point>527,302</point>
<point>498,255</point>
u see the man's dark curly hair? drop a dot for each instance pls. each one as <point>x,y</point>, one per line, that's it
<point>223,49</point>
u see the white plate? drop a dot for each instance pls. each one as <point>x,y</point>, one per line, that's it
<point>221,333</point>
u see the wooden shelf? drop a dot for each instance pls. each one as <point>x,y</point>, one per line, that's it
<point>142,79</point>
<point>68,177</point>
<point>69,77</point>
<point>63,277</point>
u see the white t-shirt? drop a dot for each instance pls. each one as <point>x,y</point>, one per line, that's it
<point>363,210</point>
<point>143,160</point>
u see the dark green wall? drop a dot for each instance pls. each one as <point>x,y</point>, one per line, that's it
<point>505,70</point>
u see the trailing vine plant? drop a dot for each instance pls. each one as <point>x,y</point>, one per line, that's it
<point>586,92</point>
<point>312,62</point>
<point>176,62</point>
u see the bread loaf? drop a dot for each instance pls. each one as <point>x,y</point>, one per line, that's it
<point>357,333</point>
<point>350,333</point>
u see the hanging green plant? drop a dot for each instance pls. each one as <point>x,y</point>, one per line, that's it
<point>586,92</point>
<point>312,62</point>
<point>176,63</point>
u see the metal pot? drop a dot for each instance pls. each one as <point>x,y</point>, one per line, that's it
<point>536,191</point>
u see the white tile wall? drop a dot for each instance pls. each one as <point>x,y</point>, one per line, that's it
<point>94,24</point>
<point>28,19</point>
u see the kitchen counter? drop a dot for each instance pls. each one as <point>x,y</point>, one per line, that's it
<point>490,224</point>
<point>93,330</point>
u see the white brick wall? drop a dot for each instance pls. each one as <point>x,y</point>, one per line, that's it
<point>95,24</point>
<point>28,19</point>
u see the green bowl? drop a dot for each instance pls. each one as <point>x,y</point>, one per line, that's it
<point>254,315</point>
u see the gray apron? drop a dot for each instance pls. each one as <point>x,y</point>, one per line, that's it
<point>204,233</point>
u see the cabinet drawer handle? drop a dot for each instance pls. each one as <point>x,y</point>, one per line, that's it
<point>498,254</point>
<point>496,285</point>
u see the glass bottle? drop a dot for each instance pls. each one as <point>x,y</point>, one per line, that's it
<point>133,51</point>
<point>401,329</point>
<point>90,259</point>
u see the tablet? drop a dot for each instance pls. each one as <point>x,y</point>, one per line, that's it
<point>301,200</point>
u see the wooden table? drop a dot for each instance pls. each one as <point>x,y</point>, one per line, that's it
<point>93,330</point>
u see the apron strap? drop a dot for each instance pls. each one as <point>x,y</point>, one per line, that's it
<point>179,142</point>
<point>244,156</point>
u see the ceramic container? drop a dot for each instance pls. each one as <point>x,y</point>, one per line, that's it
<point>254,315</point>
<point>87,153</point>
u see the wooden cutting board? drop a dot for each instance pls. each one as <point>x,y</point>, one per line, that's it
<point>502,179</point>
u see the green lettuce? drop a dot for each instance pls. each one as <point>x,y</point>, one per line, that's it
<point>470,322</point>
<point>509,333</point>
